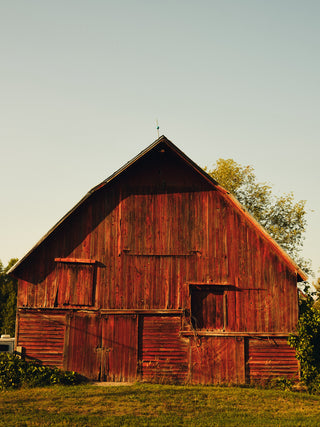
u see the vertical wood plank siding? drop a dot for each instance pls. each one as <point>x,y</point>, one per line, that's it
<point>120,348</point>
<point>69,284</point>
<point>103,347</point>
<point>133,275</point>
<point>218,360</point>
<point>83,344</point>
<point>156,230</point>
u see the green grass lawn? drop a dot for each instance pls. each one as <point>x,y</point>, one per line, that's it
<point>157,405</point>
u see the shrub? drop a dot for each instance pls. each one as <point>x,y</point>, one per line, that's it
<point>306,342</point>
<point>16,372</point>
<point>282,383</point>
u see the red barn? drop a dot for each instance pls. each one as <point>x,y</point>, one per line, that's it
<point>158,273</point>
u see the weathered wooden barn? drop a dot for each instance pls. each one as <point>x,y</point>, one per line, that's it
<point>159,274</point>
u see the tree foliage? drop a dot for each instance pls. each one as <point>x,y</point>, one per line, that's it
<point>281,216</point>
<point>306,341</point>
<point>316,286</point>
<point>8,299</point>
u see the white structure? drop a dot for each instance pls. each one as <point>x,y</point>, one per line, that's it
<point>6,344</point>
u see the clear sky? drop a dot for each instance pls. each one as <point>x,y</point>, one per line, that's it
<point>82,83</point>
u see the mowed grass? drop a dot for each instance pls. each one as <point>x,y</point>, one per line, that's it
<point>157,405</point>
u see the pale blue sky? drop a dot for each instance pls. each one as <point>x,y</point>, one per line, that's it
<point>83,82</point>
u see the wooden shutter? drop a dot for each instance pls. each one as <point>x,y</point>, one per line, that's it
<point>75,283</point>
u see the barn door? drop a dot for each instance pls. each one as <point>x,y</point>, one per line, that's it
<point>119,348</point>
<point>102,347</point>
<point>83,339</point>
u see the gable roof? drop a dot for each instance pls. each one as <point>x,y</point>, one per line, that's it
<point>160,141</point>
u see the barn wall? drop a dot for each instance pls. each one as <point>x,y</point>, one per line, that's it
<point>159,238</point>
<point>164,354</point>
<point>118,347</point>
<point>269,358</point>
<point>138,267</point>
<point>218,360</point>
<point>42,336</point>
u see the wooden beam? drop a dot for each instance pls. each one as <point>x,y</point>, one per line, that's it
<point>233,334</point>
<point>76,260</point>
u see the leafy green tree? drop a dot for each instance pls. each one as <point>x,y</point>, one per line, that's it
<point>8,299</point>
<point>281,216</point>
<point>306,341</point>
<point>316,295</point>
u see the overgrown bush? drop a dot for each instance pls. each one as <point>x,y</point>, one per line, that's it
<point>306,342</point>
<point>16,372</point>
<point>281,383</point>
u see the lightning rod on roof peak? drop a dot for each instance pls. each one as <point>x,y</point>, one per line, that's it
<point>158,128</point>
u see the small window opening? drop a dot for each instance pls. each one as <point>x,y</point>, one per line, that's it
<point>208,308</point>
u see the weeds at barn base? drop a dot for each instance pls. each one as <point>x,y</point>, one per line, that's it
<point>15,372</point>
